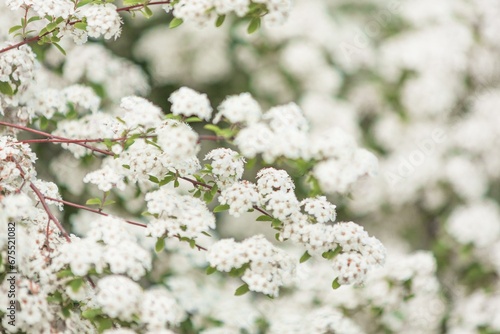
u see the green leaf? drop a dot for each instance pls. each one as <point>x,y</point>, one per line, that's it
<point>211,270</point>
<point>51,26</point>
<point>60,48</point>
<point>81,25</point>
<point>76,284</point>
<point>265,218</point>
<point>175,23</point>
<point>208,197</point>
<point>214,190</point>
<point>64,273</point>
<point>277,224</point>
<point>306,256</point>
<point>154,179</point>
<point>6,89</point>
<point>254,25</point>
<point>167,180</point>
<point>132,2</point>
<point>94,201</point>
<point>91,313</point>
<point>103,324</point>
<point>220,208</point>
<point>109,202</point>
<point>33,18</point>
<point>220,20</point>
<point>335,284</point>
<point>160,245</point>
<point>147,12</point>
<point>213,128</point>
<point>242,290</point>
<point>193,120</point>
<point>55,298</point>
<point>14,28</point>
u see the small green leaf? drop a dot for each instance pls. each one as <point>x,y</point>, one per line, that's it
<point>254,25</point>
<point>81,25</point>
<point>91,313</point>
<point>175,23</point>
<point>220,20</point>
<point>213,128</point>
<point>64,273</point>
<point>335,284</point>
<point>221,208</point>
<point>160,245</point>
<point>147,12</point>
<point>265,218</point>
<point>277,224</point>
<point>60,48</point>
<point>154,179</point>
<point>193,120</point>
<point>6,89</point>
<point>76,284</point>
<point>14,28</point>
<point>103,324</point>
<point>306,256</point>
<point>33,18</point>
<point>242,290</point>
<point>211,270</point>
<point>208,197</point>
<point>109,202</point>
<point>94,201</point>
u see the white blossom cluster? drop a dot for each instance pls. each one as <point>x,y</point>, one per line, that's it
<point>269,268</point>
<point>122,298</point>
<point>50,101</point>
<point>239,109</point>
<point>187,102</point>
<point>118,77</point>
<point>16,159</point>
<point>177,215</point>
<point>477,223</point>
<point>227,166</point>
<point>102,20</point>
<point>107,245</point>
<point>16,69</point>
<point>201,12</point>
<point>55,8</point>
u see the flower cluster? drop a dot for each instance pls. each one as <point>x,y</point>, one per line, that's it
<point>227,166</point>
<point>107,245</point>
<point>267,267</point>
<point>177,215</point>
<point>187,102</point>
<point>203,11</point>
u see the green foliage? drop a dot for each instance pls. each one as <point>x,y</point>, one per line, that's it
<point>242,290</point>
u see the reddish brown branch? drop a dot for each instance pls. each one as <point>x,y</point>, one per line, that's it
<point>100,212</point>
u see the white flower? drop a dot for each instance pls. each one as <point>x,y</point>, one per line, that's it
<point>188,102</point>
<point>477,223</point>
<point>119,297</point>
<point>182,215</point>
<point>177,140</point>
<point>227,166</point>
<point>320,208</point>
<point>350,268</point>
<point>102,19</point>
<point>239,109</point>
<point>240,196</point>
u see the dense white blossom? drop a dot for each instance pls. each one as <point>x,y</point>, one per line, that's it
<point>177,214</point>
<point>188,102</point>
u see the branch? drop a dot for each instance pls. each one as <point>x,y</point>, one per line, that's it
<point>123,9</point>
<point>100,212</point>
<point>52,137</point>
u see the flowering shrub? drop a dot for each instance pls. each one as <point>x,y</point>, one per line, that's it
<point>155,176</point>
